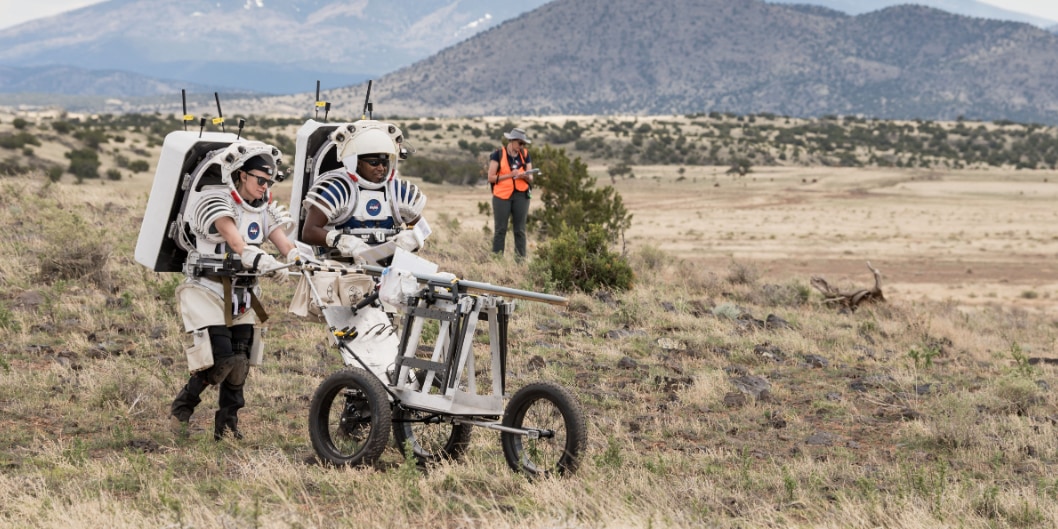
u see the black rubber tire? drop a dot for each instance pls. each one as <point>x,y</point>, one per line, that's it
<point>430,442</point>
<point>544,406</point>
<point>342,433</point>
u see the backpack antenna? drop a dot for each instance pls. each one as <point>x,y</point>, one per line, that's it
<point>325,104</point>
<point>219,120</point>
<point>187,117</point>
<point>368,107</point>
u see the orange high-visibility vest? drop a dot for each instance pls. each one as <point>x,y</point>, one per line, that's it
<point>504,187</point>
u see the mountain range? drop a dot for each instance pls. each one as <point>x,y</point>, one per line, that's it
<point>741,56</point>
<point>245,45</point>
<point>597,57</point>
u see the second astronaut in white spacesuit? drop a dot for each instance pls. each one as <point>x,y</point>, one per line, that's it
<point>365,203</point>
<point>219,303</point>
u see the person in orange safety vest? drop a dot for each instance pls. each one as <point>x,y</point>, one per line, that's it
<point>510,179</point>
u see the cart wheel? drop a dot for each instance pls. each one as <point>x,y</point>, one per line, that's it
<point>349,418</point>
<point>432,437</point>
<point>549,410</point>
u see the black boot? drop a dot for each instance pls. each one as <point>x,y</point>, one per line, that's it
<point>225,422</point>
<point>232,424</point>
<point>184,404</point>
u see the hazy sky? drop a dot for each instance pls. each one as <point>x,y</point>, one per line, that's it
<point>14,12</point>
<point>17,11</point>
<point>1042,8</point>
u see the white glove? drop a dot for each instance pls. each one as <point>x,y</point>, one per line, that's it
<point>410,202</point>
<point>293,255</point>
<point>406,240</point>
<point>347,245</point>
<point>255,259</point>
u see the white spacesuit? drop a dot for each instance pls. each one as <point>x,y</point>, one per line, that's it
<point>228,214</point>
<point>364,205</point>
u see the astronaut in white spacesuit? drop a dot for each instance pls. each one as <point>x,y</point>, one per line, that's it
<point>364,204</point>
<point>219,299</point>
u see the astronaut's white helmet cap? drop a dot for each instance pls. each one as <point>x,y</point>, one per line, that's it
<point>368,137</point>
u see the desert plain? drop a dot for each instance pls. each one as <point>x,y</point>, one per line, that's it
<point>972,237</point>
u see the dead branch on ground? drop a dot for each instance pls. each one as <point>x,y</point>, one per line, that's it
<point>853,299</point>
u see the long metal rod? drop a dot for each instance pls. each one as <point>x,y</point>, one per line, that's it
<point>534,433</point>
<point>460,284</point>
<point>481,288</point>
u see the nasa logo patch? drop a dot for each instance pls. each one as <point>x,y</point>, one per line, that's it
<point>253,231</point>
<point>374,207</point>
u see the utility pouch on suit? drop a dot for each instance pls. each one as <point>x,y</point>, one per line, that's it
<point>334,289</point>
<point>200,355</point>
<point>257,349</point>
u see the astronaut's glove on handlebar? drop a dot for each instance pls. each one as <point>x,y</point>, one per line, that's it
<point>292,255</point>
<point>406,240</point>
<point>347,245</point>
<point>255,259</point>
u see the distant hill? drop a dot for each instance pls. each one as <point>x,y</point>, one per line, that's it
<point>69,80</point>
<point>265,47</point>
<point>742,56</point>
<point>970,8</point>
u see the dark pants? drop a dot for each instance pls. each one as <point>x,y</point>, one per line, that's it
<point>515,210</point>
<point>231,364</point>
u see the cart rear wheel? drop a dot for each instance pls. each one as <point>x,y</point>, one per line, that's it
<point>349,419</point>
<point>432,437</point>
<point>557,431</point>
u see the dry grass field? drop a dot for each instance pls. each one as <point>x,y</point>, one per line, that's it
<point>936,408</point>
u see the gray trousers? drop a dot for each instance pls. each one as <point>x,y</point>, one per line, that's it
<point>514,210</point>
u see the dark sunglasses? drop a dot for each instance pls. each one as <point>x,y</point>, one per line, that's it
<point>375,162</point>
<point>262,181</point>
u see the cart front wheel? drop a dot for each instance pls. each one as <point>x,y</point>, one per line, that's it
<point>349,419</point>
<point>555,431</point>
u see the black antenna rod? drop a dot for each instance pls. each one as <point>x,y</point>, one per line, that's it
<point>187,117</point>
<point>201,126</point>
<point>367,101</point>
<point>219,120</point>
<point>242,123</point>
<point>326,106</point>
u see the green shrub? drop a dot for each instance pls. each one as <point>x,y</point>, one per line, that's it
<point>571,197</point>
<point>84,163</point>
<point>580,259</point>
<point>139,166</point>
<point>92,138</point>
<point>62,127</point>
<point>18,140</point>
